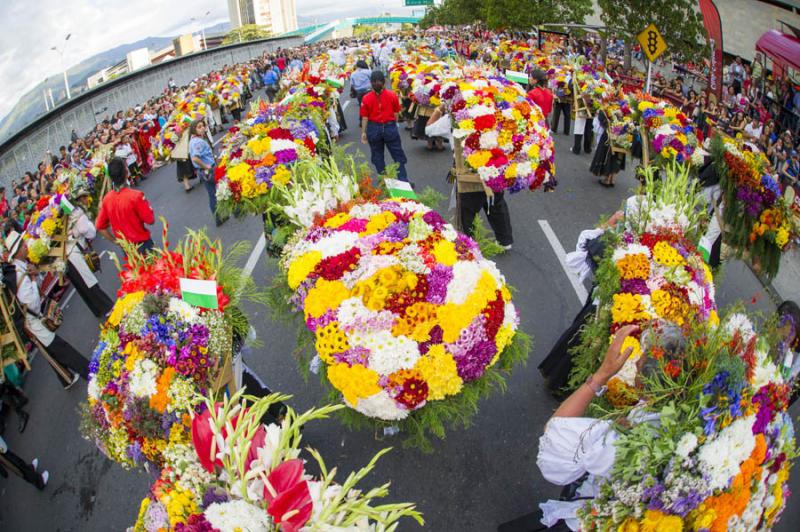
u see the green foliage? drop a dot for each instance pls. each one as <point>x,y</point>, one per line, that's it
<point>485,240</point>
<point>431,198</point>
<point>430,420</point>
<point>507,14</point>
<point>248,32</point>
<point>678,21</point>
<point>365,30</point>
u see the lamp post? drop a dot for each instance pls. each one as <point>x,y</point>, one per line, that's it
<point>202,21</point>
<point>63,49</point>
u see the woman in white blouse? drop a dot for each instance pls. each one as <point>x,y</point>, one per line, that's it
<point>81,230</point>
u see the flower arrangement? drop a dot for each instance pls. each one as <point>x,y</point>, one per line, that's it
<point>427,84</point>
<point>405,312</point>
<point>257,157</point>
<point>157,351</point>
<point>193,106</point>
<point>228,89</point>
<point>505,137</point>
<point>718,455</point>
<point>239,474</point>
<point>674,136</point>
<point>45,223</point>
<point>652,276</point>
<point>401,75</point>
<point>756,217</point>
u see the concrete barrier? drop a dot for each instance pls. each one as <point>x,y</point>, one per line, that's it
<point>26,148</point>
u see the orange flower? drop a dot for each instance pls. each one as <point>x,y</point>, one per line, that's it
<point>159,401</point>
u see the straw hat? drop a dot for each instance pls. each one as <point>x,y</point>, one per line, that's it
<point>13,241</point>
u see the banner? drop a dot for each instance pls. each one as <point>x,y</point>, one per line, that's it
<point>713,26</point>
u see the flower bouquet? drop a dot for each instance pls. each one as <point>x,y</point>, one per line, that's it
<point>405,314</point>
<point>708,447</point>
<point>505,137</point>
<point>673,134</point>
<point>259,156</point>
<point>427,83</point>
<point>190,108</point>
<point>163,343</point>
<point>757,219</point>
<point>652,276</point>
<point>401,75</point>
<point>43,230</point>
<point>238,474</point>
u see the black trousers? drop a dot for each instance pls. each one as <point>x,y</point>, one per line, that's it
<point>560,108</point>
<point>499,217</point>
<point>97,300</point>
<point>587,139</point>
<point>69,357</point>
<point>11,462</point>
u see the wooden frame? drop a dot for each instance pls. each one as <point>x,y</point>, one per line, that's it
<point>11,337</point>
<point>578,103</point>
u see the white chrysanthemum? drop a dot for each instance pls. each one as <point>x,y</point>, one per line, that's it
<point>237,515</point>
<point>721,456</point>
<point>740,322</point>
<point>365,210</point>
<point>489,139</point>
<point>525,168</point>
<point>765,370</point>
<point>449,233</point>
<point>276,145</point>
<point>142,380</point>
<point>93,390</point>
<point>337,243</point>
<point>223,191</point>
<point>183,310</point>
<point>368,268</point>
<point>488,172</point>
<point>388,353</point>
<point>380,406</point>
<point>465,278</point>
<point>630,249</point>
<point>686,445</point>
<point>411,259</point>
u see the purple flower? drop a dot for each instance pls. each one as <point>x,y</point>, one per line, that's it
<point>472,364</point>
<point>438,279</point>
<point>135,453</point>
<point>634,286</point>
<point>285,156</point>
<point>264,175</point>
<point>214,495</point>
<point>354,355</point>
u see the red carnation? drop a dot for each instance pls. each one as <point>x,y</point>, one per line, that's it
<point>482,123</point>
<point>280,133</point>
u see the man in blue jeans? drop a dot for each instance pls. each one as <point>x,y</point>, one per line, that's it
<point>379,109</point>
<point>203,160</point>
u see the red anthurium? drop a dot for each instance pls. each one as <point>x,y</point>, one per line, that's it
<point>290,502</point>
<point>203,439</point>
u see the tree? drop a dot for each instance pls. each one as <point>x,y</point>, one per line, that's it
<point>525,15</point>
<point>248,32</point>
<point>507,14</point>
<point>679,22</point>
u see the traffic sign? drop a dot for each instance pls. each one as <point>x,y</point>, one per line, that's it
<point>653,44</point>
<point>419,3</point>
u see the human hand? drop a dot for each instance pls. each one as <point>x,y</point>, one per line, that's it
<point>615,358</point>
<point>615,218</point>
<point>364,138</point>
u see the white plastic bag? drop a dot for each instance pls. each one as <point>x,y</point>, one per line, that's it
<point>440,128</point>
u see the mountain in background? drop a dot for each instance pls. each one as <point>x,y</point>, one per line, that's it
<point>31,104</point>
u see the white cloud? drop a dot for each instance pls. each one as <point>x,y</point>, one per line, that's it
<point>31,28</point>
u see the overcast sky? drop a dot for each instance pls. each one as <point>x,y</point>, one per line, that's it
<point>31,27</point>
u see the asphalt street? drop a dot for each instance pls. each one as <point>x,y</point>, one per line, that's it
<point>475,479</point>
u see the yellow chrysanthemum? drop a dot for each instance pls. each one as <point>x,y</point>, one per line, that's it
<point>634,266</point>
<point>479,159</point>
<point>124,305</point>
<point>325,295</point>
<point>337,220</point>
<point>669,307</point>
<point>240,173</point>
<point>439,370</point>
<point>655,521</point>
<point>330,340</point>
<point>665,254</point>
<point>301,267</point>
<point>282,176</point>
<point>379,222</point>
<point>445,253</point>
<point>355,382</point>
<point>259,146</point>
<point>627,308</point>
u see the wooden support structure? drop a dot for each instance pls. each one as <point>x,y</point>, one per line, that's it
<point>11,336</point>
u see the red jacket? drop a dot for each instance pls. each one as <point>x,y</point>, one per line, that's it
<point>543,98</point>
<point>380,108</point>
<point>127,211</point>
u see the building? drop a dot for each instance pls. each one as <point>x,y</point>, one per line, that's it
<point>183,44</point>
<point>276,16</point>
<point>138,58</point>
<point>97,78</point>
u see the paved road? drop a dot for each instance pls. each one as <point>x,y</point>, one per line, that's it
<point>475,478</point>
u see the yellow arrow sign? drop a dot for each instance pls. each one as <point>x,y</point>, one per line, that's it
<point>653,44</point>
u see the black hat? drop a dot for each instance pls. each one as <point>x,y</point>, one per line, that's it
<point>377,75</point>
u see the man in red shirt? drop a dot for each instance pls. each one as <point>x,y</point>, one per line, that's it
<point>379,109</point>
<point>127,211</point>
<point>539,94</point>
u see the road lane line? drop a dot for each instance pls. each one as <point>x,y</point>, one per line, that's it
<point>65,304</point>
<point>252,260</point>
<point>580,291</point>
<point>344,107</point>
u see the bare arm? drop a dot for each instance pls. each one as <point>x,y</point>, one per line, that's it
<point>107,235</point>
<point>575,405</point>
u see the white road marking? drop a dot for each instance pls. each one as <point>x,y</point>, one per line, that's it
<point>580,291</point>
<point>344,107</point>
<point>69,295</point>
<point>252,260</point>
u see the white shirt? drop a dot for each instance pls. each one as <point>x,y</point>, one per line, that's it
<point>754,132</point>
<point>126,152</point>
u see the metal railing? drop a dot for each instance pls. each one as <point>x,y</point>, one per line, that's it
<point>26,148</point>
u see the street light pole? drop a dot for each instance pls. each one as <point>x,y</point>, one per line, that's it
<point>63,49</point>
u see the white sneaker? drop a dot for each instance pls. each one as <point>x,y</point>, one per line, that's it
<point>75,378</point>
<point>35,464</point>
<point>507,247</point>
<point>45,477</point>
